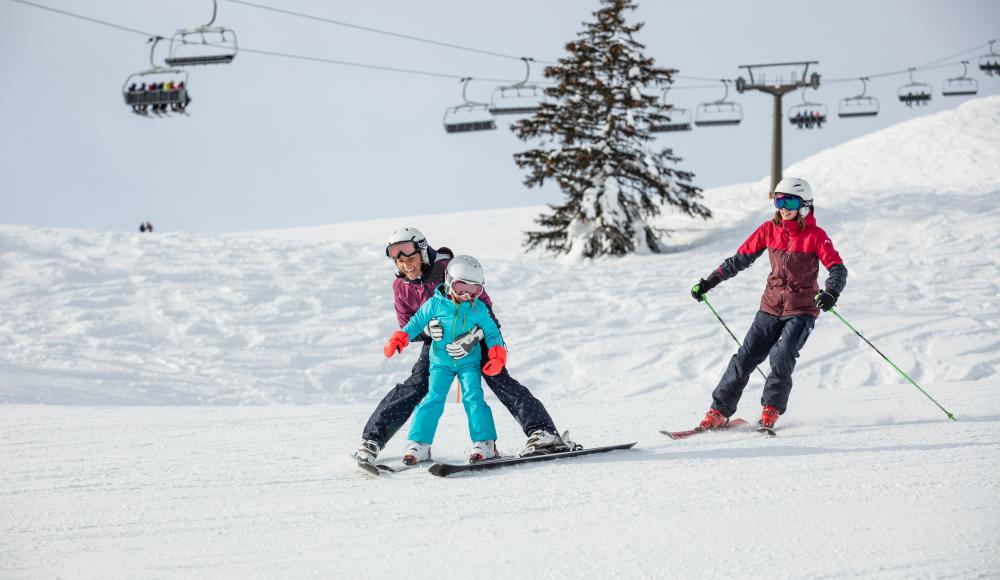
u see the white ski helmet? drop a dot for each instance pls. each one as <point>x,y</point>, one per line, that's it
<point>409,234</point>
<point>464,269</point>
<point>798,187</point>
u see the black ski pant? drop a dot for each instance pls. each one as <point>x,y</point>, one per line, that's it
<point>779,338</point>
<point>397,406</point>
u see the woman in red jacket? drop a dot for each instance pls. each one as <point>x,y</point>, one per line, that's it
<point>790,304</point>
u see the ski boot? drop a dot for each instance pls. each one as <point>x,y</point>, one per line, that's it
<point>542,442</point>
<point>366,452</point>
<point>416,452</point>
<point>483,450</point>
<point>768,416</point>
<point>713,420</point>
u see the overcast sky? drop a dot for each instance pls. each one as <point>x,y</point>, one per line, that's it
<point>275,143</point>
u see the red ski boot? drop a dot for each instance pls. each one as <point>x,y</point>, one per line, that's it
<point>768,416</point>
<point>713,420</point>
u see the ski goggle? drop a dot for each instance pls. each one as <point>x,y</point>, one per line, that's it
<point>789,202</point>
<point>401,250</point>
<point>467,290</point>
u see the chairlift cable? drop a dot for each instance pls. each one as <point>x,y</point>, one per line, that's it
<point>369,66</point>
<point>264,52</point>
<point>973,49</point>
<point>87,18</point>
<point>377,30</point>
<point>894,73</point>
<point>928,66</point>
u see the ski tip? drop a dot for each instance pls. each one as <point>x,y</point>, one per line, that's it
<point>766,431</point>
<point>438,469</point>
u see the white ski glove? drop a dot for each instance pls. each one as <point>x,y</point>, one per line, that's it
<point>434,330</point>
<point>463,345</point>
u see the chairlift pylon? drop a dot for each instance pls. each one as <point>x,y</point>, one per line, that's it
<point>962,85</point>
<point>520,98</point>
<point>469,116</point>
<point>914,93</point>
<point>167,92</point>
<point>990,63</point>
<point>807,115</point>
<point>859,105</point>
<point>719,113</point>
<point>678,119</point>
<point>217,44</point>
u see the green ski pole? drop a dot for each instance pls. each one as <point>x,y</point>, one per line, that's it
<point>704,299</point>
<point>837,314</point>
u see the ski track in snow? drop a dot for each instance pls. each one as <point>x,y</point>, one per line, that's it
<point>199,394</point>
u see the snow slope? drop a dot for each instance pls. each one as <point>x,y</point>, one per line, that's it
<point>159,449</point>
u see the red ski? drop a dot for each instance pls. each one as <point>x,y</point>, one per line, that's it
<point>685,434</point>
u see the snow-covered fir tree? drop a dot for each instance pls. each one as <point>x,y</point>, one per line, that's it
<point>596,145</point>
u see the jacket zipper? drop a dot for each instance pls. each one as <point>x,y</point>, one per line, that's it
<point>788,275</point>
<point>454,331</point>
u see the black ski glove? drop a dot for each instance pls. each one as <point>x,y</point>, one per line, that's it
<point>703,286</point>
<point>826,299</point>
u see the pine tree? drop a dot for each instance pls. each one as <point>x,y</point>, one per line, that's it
<point>596,145</point>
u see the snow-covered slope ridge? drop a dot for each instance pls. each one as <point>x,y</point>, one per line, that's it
<point>949,152</point>
<point>91,317</point>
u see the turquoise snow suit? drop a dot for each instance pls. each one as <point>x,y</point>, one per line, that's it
<point>456,319</point>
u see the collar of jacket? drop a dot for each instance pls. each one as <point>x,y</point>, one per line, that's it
<point>809,221</point>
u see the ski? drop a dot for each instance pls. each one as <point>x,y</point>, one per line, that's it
<point>378,469</point>
<point>692,432</point>
<point>766,431</point>
<point>446,469</point>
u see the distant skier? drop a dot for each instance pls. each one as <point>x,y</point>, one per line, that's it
<point>457,312</point>
<point>790,304</point>
<point>419,270</point>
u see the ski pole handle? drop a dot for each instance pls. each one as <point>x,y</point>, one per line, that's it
<point>868,342</point>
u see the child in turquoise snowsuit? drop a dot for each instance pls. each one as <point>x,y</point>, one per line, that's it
<point>456,318</point>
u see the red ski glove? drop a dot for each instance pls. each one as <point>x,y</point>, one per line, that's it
<point>498,358</point>
<point>397,342</point>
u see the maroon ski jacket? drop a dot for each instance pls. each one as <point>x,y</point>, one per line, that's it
<point>795,253</point>
<point>409,296</point>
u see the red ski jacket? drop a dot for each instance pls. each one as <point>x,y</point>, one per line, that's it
<point>795,253</point>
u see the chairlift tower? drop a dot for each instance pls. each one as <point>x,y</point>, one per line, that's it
<point>777,84</point>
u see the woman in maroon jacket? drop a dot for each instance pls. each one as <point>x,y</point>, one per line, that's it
<point>790,304</point>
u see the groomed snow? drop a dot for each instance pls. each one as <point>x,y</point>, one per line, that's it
<point>182,405</point>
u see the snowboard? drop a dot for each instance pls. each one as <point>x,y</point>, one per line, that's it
<point>693,432</point>
<point>446,469</point>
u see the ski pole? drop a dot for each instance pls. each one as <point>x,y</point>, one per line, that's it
<point>704,299</point>
<point>837,314</point>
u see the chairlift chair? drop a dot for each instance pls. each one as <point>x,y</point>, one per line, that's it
<point>914,93</point>
<point>990,63</point>
<point>677,120</point>
<point>807,115</point>
<point>859,105</point>
<point>214,44</point>
<point>719,113</point>
<point>158,90</point>
<point>960,86</point>
<point>520,98</point>
<point>469,116</point>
